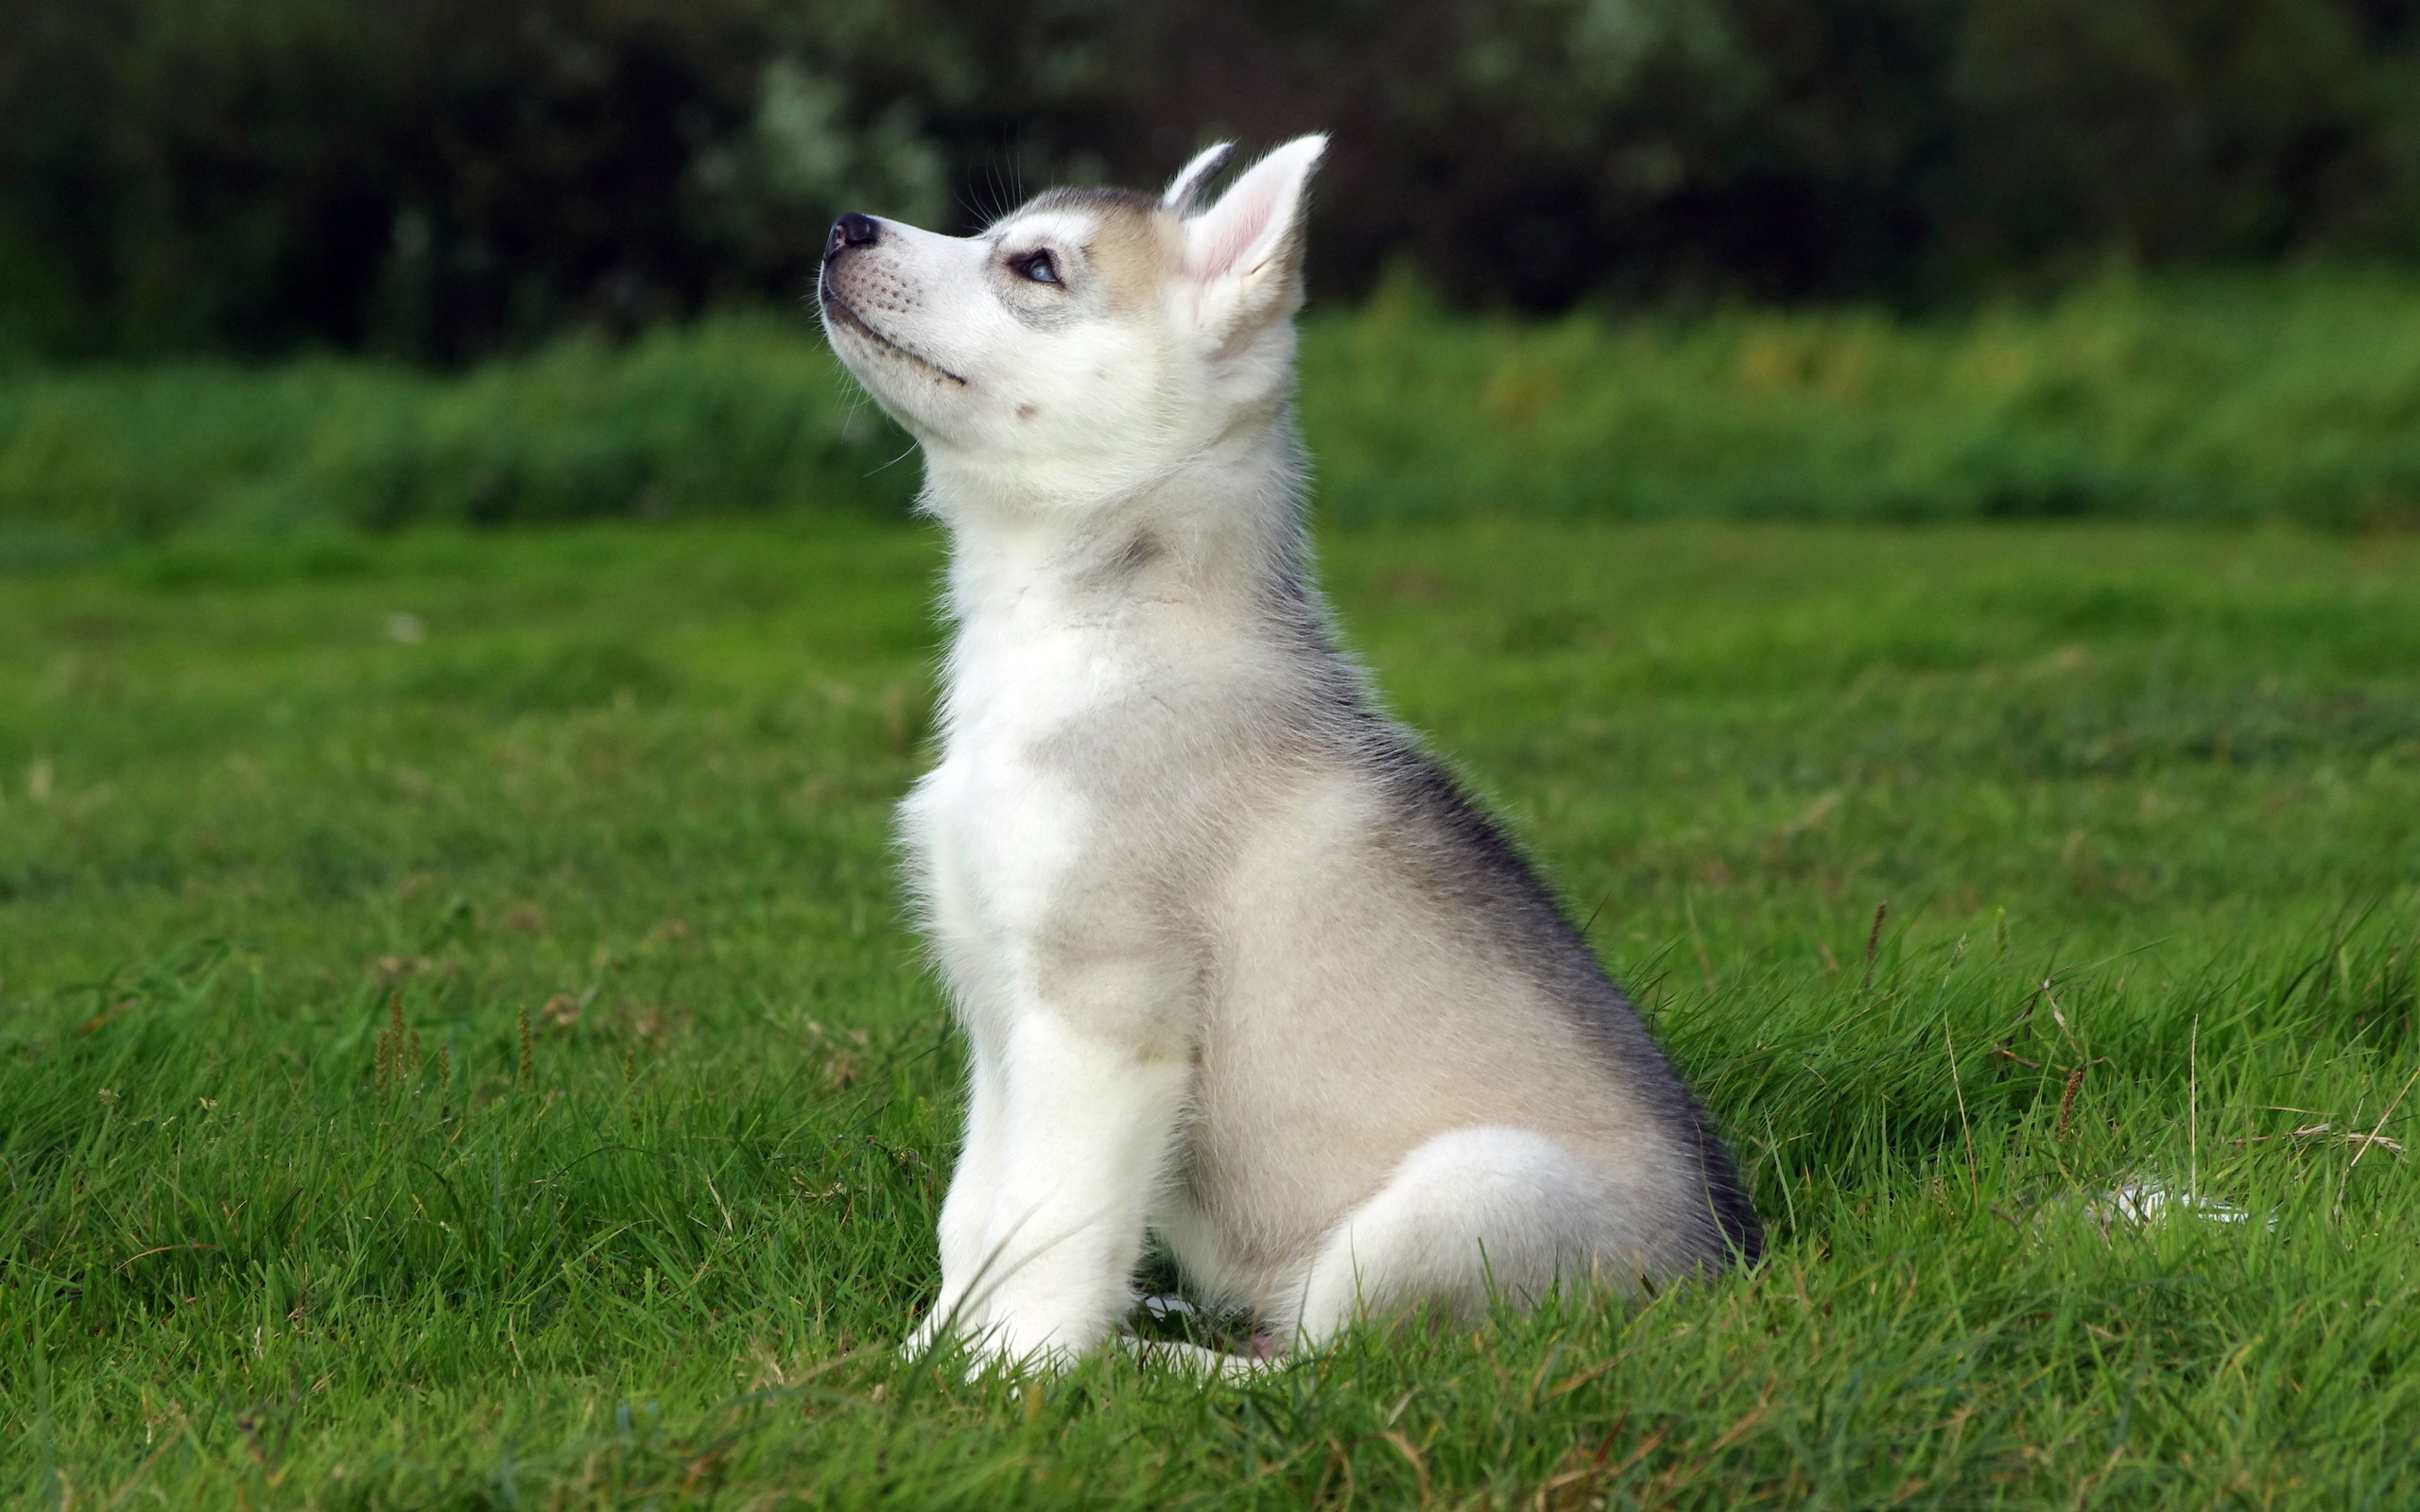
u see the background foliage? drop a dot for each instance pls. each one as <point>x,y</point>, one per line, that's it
<point>436,179</point>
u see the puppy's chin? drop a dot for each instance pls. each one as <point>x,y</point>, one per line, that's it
<point>902,386</point>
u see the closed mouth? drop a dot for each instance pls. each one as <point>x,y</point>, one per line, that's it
<point>838,308</point>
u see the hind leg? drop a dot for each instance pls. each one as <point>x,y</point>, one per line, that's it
<point>1470,1215</point>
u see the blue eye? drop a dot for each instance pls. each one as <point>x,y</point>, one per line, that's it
<point>1040,268</point>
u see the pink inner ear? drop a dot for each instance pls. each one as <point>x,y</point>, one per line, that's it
<point>1219,240</point>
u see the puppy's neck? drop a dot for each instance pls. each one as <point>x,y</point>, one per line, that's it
<point>1209,531</point>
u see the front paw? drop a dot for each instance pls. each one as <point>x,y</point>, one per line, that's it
<point>986,1341</point>
<point>1030,1339</point>
<point>949,1319</point>
<point>919,1341</point>
<point>1002,1347</point>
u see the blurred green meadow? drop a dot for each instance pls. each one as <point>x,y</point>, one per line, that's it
<point>461,1046</point>
<point>2282,396</point>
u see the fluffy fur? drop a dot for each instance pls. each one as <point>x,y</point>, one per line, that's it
<point>1239,963</point>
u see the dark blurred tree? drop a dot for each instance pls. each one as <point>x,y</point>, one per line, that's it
<point>434,177</point>
<point>2172,129</point>
<point>431,176</point>
<point>438,179</point>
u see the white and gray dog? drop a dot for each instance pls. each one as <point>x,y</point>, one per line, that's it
<point>1239,965</point>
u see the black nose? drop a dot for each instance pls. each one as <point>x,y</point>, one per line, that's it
<point>852,230</point>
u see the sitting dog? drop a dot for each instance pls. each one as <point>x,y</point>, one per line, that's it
<point>1239,965</point>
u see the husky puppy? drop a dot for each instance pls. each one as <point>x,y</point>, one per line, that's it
<point>1239,965</point>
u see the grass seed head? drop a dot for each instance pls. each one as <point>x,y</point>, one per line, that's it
<point>1873,942</point>
<point>2067,1101</point>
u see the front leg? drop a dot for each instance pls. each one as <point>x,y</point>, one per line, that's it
<point>966,1212</point>
<point>1085,1128</point>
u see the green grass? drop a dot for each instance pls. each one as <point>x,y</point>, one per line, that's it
<point>632,782</point>
<point>2281,396</point>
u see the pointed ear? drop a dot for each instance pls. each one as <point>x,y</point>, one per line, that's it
<point>1244,254</point>
<point>1186,188</point>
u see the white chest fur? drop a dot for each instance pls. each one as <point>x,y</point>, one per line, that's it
<point>997,825</point>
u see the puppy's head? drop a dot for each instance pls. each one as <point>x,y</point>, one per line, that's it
<point>1091,338</point>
